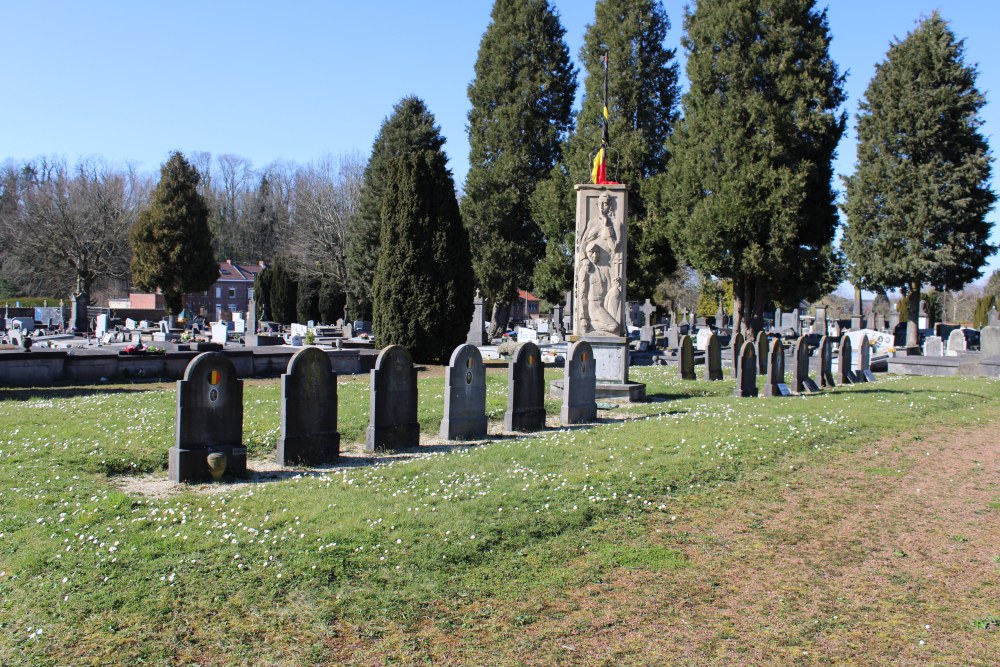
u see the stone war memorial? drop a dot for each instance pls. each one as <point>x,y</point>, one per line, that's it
<point>599,280</point>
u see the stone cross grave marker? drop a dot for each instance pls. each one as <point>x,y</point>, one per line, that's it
<point>308,411</point>
<point>579,386</point>
<point>464,395</point>
<point>525,390</point>
<point>686,363</point>
<point>673,337</point>
<point>845,375</point>
<point>392,420</point>
<point>746,371</point>
<point>826,362</point>
<point>477,328</point>
<point>646,332</point>
<point>209,420</point>
<point>775,369</point>
<point>762,349</point>
<point>713,359</point>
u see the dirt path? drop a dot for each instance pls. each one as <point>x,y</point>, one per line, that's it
<point>890,555</point>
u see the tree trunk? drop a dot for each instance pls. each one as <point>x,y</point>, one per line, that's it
<point>749,295</point>
<point>498,319</point>
<point>912,315</point>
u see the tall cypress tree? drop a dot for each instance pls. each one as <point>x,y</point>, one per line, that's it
<point>423,280</point>
<point>410,125</point>
<point>522,98</point>
<point>171,241</point>
<point>284,293</point>
<point>748,194</point>
<point>917,202</point>
<point>642,109</point>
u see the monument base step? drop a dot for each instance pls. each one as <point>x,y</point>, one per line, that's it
<point>633,392</point>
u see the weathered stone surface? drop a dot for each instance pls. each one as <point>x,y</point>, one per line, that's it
<point>845,375</point>
<point>800,372</point>
<point>864,359</point>
<point>392,422</point>
<point>209,419</point>
<point>956,341</point>
<point>308,411</point>
<point>713,358</point>
<point>464,395</point>
<point>736,347</point>
<point>599,260</point>
<point>746,371</point>
<point>761,351</point>
<point>525,390</point>
<point>989,341</point>
<point>933,346</point>
<point>477,328</point>
<point>580,385</point>
<point>775,369</point>
<point>686,364</point>
<point>826,363</point>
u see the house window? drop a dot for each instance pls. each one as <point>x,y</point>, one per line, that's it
<point>249,293</point>
<point>232,292</point>
<point>232,308</point>
<point>218,292</point>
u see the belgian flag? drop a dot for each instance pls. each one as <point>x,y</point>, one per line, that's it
<point>599,170</point>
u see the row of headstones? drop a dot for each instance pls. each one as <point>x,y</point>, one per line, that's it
<point>209,420</point>
<point>751,357</point>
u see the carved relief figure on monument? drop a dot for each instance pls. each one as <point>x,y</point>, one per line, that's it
<point>597,289</point>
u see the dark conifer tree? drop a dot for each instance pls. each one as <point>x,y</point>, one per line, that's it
<point>918,199</point>
<point>284,293</point>
<point>748,194</point>
<point>171,241</point>
<point>410,125</point>
<point>262,292</point>
<point>307,301</point>
<point>521,98</point>
<point>642,109</point>
<point>423,281</point>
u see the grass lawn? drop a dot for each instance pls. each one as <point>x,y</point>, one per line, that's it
<point>494,553</point>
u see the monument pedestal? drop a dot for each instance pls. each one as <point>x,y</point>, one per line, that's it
<point>611,361</point>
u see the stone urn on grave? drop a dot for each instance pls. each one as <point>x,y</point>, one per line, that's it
<point>599,280</point>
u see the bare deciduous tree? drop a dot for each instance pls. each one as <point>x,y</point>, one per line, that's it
<point>324,198</point>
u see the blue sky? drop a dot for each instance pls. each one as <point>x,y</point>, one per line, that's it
<point>133,80</point>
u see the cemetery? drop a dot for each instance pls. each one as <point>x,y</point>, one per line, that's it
<point>604,403</point>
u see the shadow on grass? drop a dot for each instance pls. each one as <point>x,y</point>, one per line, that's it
<point>73,392</point>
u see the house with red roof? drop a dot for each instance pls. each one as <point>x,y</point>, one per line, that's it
<point>231,293</point>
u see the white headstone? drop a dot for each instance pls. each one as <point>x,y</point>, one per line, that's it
<point>543,326</point>
<point>239,326</point>
<point>101,327</point>
<point>131,324</point>
<point>219,332</point>
<point>526,335</point>
<point>299,329</point>
<point>956,342</point>
<point>701,340</point>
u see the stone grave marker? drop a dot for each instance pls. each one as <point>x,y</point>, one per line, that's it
<point>923,321</point>
<point>713,358</point>
<point>646,333</point>
<point>348,330</point>
<point>933,346</point>
<point>131,324</point>
<point>392,411</point>
<point>720,317</point>
<point>865,364</point>
<point>673,337</point>
<point>844,374</point>
<point>701,338</point>
<point>762,350</point>
<point>525,390</point>
<point>819,324</point>
<point>557,318</point>
<point>956,342</point>
<point>736,347</point>
<point>746,371</point>
<point>826,362</point>
<point>686,365</point>
<point>477,328</point>
<point>775,370</point>
<point>464,395</point>
<point>801,381</point>
<point>219,332</point>
<point>989,341</point>
<point>526,335</point>
<point>579,404</point>
<point>893,321</point>
<point>101,325</point>
<point>308,411</point>
<point>993,317</point>
<point>209,420</point>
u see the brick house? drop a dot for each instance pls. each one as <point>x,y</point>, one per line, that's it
<point>230,293</point>
<point>525,308</point>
